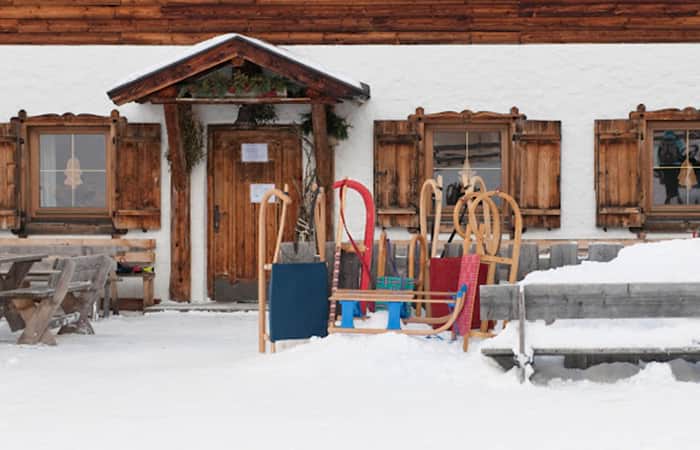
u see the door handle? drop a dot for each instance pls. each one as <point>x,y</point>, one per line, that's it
<point>217,218</point>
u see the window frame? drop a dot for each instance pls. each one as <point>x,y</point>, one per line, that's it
<point>472,126</point>
<point>36,211</point>
<point>678,212</point>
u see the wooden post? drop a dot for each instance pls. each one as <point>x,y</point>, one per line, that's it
<point>180,252</point>
<point>325,156</point>
<point>262,266</point>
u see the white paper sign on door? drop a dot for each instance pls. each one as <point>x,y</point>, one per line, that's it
<point>254,152</point>
<point>257,191</point>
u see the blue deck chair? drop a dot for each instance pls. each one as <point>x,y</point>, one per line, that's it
<point>298,301</point>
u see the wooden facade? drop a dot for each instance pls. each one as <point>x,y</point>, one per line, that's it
<point>349,22</point>
<point>164,86</point>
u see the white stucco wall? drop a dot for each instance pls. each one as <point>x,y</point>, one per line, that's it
<point>572,83</point>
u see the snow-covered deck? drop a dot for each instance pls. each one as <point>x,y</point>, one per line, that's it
<point>194,380</point>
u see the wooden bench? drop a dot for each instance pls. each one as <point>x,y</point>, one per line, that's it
<point>127,251</point>
<point>589,301</point>
<point>64,300</point>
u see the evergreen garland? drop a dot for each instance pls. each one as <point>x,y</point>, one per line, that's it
<point>192,132</point>
<point>336,126</point>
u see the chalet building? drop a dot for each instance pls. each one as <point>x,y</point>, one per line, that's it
<point>165,121</point>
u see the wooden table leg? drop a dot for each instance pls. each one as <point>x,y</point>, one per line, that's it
<point>148,296</point>
<point>37,329</point>
<point>13,280</point>
<point>78,302</point>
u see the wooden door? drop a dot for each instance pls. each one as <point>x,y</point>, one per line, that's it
<point>235,169</point>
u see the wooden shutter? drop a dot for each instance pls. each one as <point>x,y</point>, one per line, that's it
<point>538,172</point>
<point>9,182</point>
<point>137,177</point>
<point>617,174</point>
<point>397,172</point>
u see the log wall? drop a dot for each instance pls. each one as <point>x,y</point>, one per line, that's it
<point>349,22</point>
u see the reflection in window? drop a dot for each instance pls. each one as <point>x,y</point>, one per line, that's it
<point>72,170</point>
<point>676,167</point>
<point>452,157</point>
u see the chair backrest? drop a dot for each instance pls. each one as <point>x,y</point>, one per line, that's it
<point>92,269</point>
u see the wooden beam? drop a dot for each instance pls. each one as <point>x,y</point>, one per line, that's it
<point>176,151</point>
<point>235,101</point>
<point>579,301</point>
<point>180,251</point>
<point>237,61</point>
<point>325,156</point>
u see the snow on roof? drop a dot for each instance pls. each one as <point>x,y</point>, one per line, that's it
<point>213,42</point>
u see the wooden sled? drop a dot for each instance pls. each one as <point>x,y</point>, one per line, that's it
<point>298,292</point>
<point>389,296</point>
<point>484,231</point>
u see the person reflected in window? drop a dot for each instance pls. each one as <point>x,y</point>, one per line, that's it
<point>671,153</point>
<point>693,158</point>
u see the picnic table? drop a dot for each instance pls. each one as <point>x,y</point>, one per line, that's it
<point>17,302</point>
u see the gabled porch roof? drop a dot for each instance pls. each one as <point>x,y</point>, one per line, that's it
<point>234,48</point>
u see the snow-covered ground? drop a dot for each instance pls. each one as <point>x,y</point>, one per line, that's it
<point>195,381</point>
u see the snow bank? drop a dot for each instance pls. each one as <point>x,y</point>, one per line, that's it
<point>666,261</point>
<point>673,261</point>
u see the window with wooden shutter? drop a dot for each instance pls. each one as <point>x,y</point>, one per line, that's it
<point>617,173</point>
<point>397,172</point>
<point>537,164</point>
<point>138,159</point>
<point>9,171</point>
<point>461,145</point>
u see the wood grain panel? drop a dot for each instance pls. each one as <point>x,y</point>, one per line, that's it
<point>617,175</point>
<point>9,214</point>
<point>233,244</point>
<point>356,22</point>
<point>538,169</point>
<point>137,199</point>
<point>397,173</point>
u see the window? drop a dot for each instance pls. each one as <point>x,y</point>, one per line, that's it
<point>675,165</point>
<point>470,152</point>
<point>79,174</point>
<point>647,170</point>
<point>70,172</point>
<point>518,156</point>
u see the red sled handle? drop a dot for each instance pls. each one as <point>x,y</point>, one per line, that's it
<point>366,256</point>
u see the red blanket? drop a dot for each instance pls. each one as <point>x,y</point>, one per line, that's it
<point>444,276</point>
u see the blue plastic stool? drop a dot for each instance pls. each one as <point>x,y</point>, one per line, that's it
<point>347,310</point>
<point>394,309</point>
